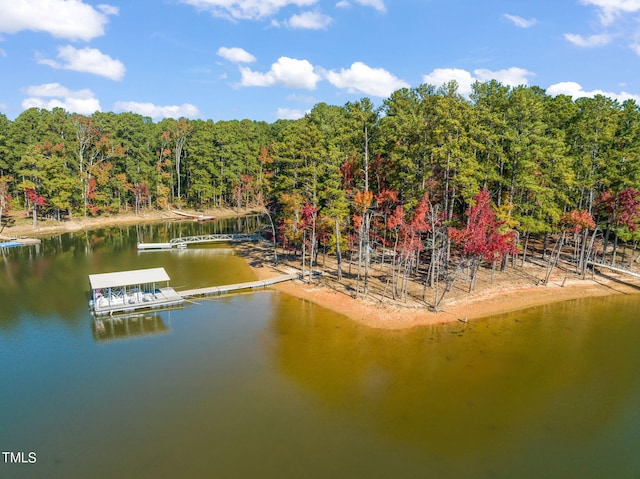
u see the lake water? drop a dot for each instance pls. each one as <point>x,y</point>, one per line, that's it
<point>267,385</point>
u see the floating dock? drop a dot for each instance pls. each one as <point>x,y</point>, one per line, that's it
<point>184,241</point>
<point>158,246</point>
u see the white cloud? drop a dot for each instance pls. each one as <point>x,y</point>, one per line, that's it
<point>287,72</point>
<point>575,90</point>
<point>310,21</point>
<point>513,76</point>
<point>519,21</point>
<point>53,95</point>
<point>587,42</point>
<point>109,9</point>
<point>70,19</point>
<point>440,76</point>
<point>156,111</point>
<point>261,9</point>
<point>377,4</point>
<point>89,60</point>
<point>364,79</point>
<point>610,10</point>
<point>245,9</point>
<point>290,114</point>
<point>236,55</point>
<point>49,90</point>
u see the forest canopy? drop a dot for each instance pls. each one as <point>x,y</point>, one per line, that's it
<point>348,173</point>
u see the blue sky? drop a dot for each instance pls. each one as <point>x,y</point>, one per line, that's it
<point>271,59</point>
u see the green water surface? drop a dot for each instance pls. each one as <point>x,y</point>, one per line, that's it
<point>266,385</point>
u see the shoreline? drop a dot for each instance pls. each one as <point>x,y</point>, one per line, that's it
<point>484,302</point>
<point>48,227</point>
<point>509,293</point>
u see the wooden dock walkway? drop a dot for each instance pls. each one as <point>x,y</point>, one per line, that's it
<point>229,288</point>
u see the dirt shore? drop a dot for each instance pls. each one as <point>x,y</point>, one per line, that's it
<point>512,291</point>
<point>19,225</point>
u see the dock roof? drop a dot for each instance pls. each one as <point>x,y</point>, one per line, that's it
<point>128,278</point>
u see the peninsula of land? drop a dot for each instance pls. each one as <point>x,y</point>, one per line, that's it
<point>516,289</point>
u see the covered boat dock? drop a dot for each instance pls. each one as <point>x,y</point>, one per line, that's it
<point>126,291</point>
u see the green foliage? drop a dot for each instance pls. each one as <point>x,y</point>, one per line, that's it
<point>537,156</point>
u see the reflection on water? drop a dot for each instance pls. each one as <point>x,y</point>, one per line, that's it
<point>560,382</point>
<point>50,279</point>
<point>127,326</point>
<point>266,385</point>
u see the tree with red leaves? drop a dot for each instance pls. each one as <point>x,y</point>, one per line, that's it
<point>407,243</point>
<point>141,195</point>
<point>91,194</point>
<point>5,198</point>
<point>386,201</point>
<point>484,238</point>
<point>427,218</point>
<point>35,200</point>
<point>578,223</point>
<point>412,245</point>
<point>396,223</point>
<point>621,212</point>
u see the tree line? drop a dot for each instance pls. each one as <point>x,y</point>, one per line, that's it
<point>426,171</point>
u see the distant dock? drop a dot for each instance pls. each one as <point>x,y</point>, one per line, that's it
<point>15,242</point>
<point>158,246</point>
<point>184,241</point>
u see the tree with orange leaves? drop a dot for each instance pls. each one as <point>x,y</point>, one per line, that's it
<point>362,218</point>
